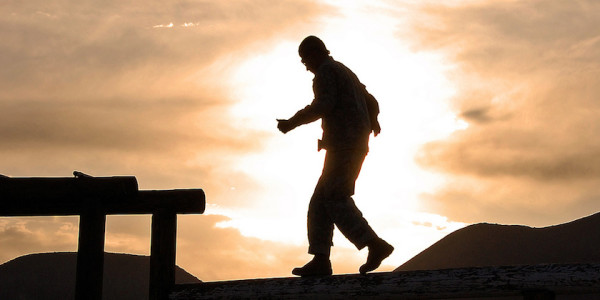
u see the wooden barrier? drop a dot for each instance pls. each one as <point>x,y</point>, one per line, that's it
<point>92,198</point>
<point>543,282</point>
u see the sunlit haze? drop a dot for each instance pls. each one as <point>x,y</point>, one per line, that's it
<point>489,113</point>
<point>412,91</point>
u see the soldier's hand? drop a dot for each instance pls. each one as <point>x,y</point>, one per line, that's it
<point>376,128</point>
<point>284,125</point>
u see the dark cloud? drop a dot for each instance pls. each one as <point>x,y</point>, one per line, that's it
<point>512,153</point>
<point>120,125</point>
<point>512,200</point>
<point>64,48</point>
<point>480,115</point>
<point>527,75</point>
<point>165,144</point>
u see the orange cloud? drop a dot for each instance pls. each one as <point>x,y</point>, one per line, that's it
<point>19,236</point>
<point>100,90</point>
<point>96,88</point>
<point>527,83</point>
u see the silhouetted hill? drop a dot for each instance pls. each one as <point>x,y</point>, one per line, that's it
<point>52,276</point>
<point>496,245</point>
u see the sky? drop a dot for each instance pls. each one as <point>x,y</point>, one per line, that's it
<point>489,111</point>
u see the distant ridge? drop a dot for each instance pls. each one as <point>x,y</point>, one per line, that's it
<point>52,276</point>
<point>502,245</point>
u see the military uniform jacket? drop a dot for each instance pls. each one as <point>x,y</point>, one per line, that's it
<point>348,111</point>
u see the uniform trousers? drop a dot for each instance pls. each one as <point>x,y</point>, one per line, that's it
<point>332,204</point>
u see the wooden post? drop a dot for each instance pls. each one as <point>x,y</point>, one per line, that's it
<point>90,255</point>
<point>162,254</point>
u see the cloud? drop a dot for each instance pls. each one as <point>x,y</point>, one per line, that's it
<point>97,88</point>
<point>89,50</point>
<point>170,25</point>
<point>100,89</point>
<point>18,236</point>
<point>527,83</point>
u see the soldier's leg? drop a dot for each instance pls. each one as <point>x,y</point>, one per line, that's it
<point>350,221</point>
<point>320,234</point>
<point>319,221</point>
<point>354,226</point>
<point>319,226</point>
<point>343,169</point>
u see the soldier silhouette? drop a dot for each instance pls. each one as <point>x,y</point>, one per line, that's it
<point>348,114</point>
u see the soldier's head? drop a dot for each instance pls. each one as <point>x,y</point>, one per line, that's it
<point>313,52</point>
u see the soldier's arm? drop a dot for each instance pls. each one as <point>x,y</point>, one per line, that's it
<point>325,95</point>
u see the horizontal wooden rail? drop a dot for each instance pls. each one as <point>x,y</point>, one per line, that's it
<point>190,201</point>
<point>72,189</point>
<point>107,195</point>
<point>63,196</point>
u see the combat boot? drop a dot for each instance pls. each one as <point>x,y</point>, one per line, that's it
<point>378,251</point>
<point>316,267</point>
